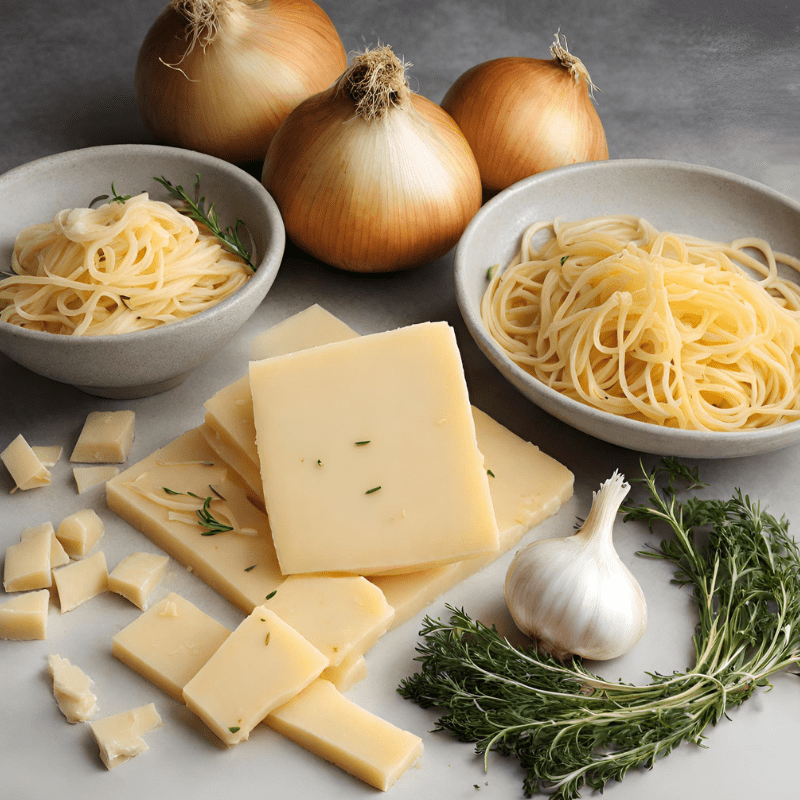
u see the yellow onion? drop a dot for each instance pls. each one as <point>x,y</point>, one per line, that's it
<point>219,76</point>
<point>369,176</point>
<point>522,116</point>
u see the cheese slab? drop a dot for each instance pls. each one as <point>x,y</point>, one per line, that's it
<point>137,575</point>
<point>106,437</point>
<point>378,431</point>
<point>24,617</point>
<point>230,692</point>
<point>243,569</point>
<point>81,581</point>
<point>27,564</point>
<point>327,723</point>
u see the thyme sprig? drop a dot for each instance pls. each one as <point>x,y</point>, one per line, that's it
<point>195,208</point>
<point>570,728</point>
<point>204,516</point>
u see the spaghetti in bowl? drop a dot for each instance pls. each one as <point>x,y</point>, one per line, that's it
<point>622,303</point>
<point>113,341</point>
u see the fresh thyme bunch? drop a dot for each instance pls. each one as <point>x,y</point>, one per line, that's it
<point>570,728</point>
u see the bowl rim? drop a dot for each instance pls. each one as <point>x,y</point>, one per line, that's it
<point>730,442</point>
<point>265,271</point>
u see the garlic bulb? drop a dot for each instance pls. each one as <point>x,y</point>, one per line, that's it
<point>573,595</point>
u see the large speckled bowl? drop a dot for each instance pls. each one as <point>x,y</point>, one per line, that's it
<point>150,361</point>
<point>673,196</point>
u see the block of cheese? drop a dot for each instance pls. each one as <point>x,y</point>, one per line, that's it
<point>49,455</point>
<point>231,692</point>
<point>242,568</point>
<point>80,532</point>
<point>88,477</point>
<point>120,737</point>
<point>72,688</point>
<point>378,431</point>
<point>106,437</point>
<point>24,466</point>
<point>27,564</point>
<point>24,617</point>
<point>168,643</point>
<point>346,673</point>
<point>341,615</point>
<point>324,721</point>
<point>81,581</point>
<point>58,555</point>
<point>137,575</point>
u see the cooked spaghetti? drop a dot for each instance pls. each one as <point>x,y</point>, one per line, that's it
<point>653,326</point>
<point>120,267</point>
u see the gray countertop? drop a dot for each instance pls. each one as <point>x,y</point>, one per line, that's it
<point>714,83</point>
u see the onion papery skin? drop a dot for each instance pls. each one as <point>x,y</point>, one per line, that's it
<point>375,195</point>
<point>228,97</point>
<point>522,116</point>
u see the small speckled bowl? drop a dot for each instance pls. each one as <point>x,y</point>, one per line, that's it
<point>672,196</point>
<point>144,362</point>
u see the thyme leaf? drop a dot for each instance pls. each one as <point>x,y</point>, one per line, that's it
<point>570,728</point>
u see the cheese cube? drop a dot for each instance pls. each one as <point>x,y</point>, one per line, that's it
<point>137,575</point>
<point>120,737</point>
<point>81,581</point>
<point>25,617</point>
<point>58,555</point>
<point>324,721</point>
<point>341,615</point>
<point>106,437</point>
<point>27,564</point>
<point>88,477</point>
<point>72,688</point>
<point>80,532</point>
<point>368,455</point>
<point>262,664</point>
<point>26,469</point>
<point>346,673</point>
<point>169,642</point>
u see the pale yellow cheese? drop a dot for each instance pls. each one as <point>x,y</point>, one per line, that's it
<point>341,615</point>
<point>49,455</point>
<point>58,555</point>
<point>324,721</point>
<point>24,466</point>
<point>168,643</point>
<point>416,495</point>
<point>81,581</point>
<point>243,569</point>
<point>106,437</point>
<point>88,477</point>
<point>119,737</point>
<point>137,575</point>
<point>27,564</point>
<point>80,532</point>
<point>231,692</point>
<point>346,673</point>
<point>24,617</point>
<point>245,470</point>
<point>72,689</point>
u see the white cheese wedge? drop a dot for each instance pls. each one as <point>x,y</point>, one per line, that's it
<point>58,555</point>
<point>24,617</point>
<point>120,737</point>
<point>27,564</point>
<point>378,431</point>
<point>324,721</point>
<point>137,575</point>
<point>80,532</point>
<point>105,438</point>
<point>81,581</point>
<point>24,466</point>
<point>230,693</point>
<point>72,689</point>
<point>169,643</point>
<point>88,477</point>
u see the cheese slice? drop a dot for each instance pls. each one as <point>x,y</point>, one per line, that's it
<point>137,575</point>
<point>24,617</point>
<point>58,555</point>
<point>72,688</point>
<point>49,455</point>
<point>346,673</point>
<point>80,532</point>
<point>120,737</point>
<point>27,564</point>
<point>81,581</point>
<point>324,721</point>
<point>230,692</point>
<point>88,477</point>
<point>24,465</point>
<point>169,643</point>
<point>106,437</point>
<point>378,431</point>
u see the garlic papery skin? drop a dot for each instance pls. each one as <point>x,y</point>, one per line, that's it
<point>369,176</point>
<point>573,595</point>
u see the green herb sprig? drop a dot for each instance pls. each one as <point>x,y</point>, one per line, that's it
<point>205,518</point>
<point>570,728</point>
<point>195,209</point>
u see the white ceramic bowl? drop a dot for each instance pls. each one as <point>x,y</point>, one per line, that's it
<point>671,195</point>
<point>150,361</point>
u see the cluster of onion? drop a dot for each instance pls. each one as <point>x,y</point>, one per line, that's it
<point>369,176</point>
